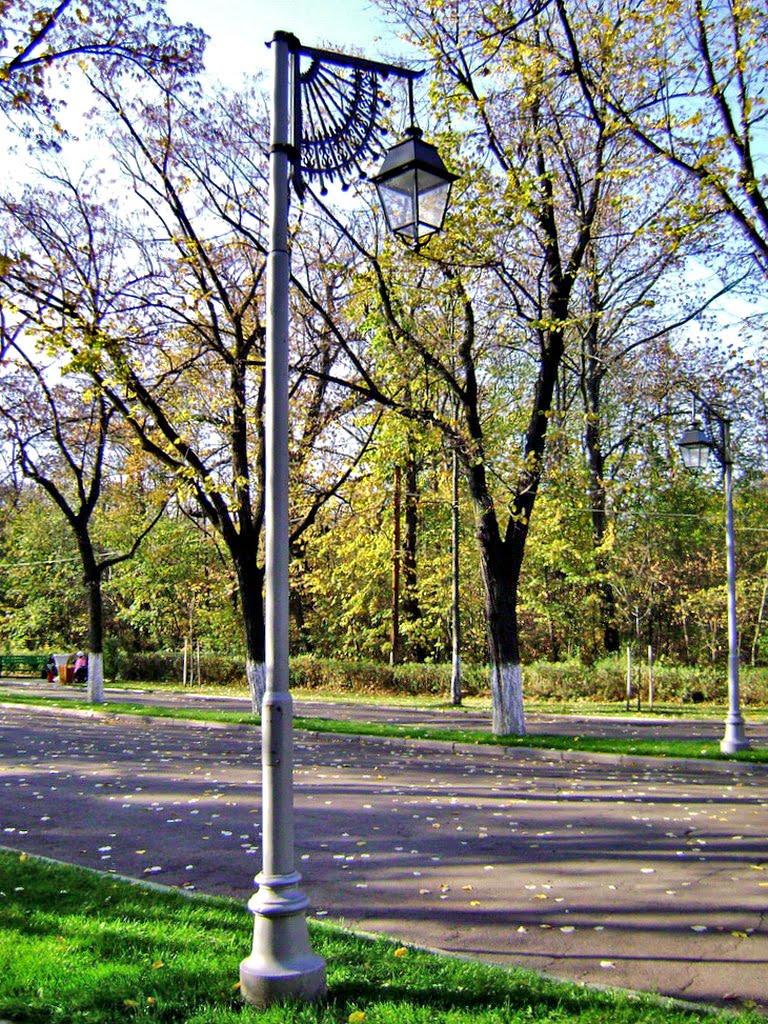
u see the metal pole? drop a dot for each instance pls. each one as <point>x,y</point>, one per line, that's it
<point>394,652</point>
<point>281,964</point>
<point>734,738</point>
<point>455,566</point>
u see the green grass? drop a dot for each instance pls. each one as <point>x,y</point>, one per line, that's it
<point>78,947</point>
<point>697,749</point>
<point>471,702</point>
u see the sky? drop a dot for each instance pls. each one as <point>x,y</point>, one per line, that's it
<point>240,30</point>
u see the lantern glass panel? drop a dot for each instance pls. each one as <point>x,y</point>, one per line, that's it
<point>398,207</point>
<point>433,203</point>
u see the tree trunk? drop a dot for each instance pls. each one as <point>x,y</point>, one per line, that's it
<point>92,573</point>
<point>500,578</point>
<point>250,579</point>
<point>95,676</point>
<point>595,370</point>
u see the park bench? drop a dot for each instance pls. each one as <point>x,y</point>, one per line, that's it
<point>19,664</point>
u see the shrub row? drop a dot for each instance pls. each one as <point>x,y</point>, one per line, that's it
<point>373,677</point>
<point>563,681</point>
<point>606,680</point>
<point>168,667</point>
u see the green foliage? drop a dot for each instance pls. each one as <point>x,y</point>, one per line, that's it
<point>603,681</point>
<point>363,677</point>
<point>177,588</point>
<point>344,580</point>
<point>168,666</point>
<point>531,140</point>
<point>606,680</point>
<point>42,604</point>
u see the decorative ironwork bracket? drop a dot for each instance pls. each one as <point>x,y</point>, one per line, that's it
<point>338,121</point>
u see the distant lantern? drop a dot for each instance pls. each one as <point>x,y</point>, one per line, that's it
<point>414,186</point>
<point>695,447</point>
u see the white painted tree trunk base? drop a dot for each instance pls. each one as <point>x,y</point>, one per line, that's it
<point>95,690</point>
<point>507,700</point>
<point>456,681</point>
<point>256,674</point>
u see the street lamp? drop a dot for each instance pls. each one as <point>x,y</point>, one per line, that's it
<point>414,187</point>
<point>326,120</point>
<point>695,445</point>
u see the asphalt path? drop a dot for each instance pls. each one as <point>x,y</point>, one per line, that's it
<point>622,725</point>
<point>648,875</point>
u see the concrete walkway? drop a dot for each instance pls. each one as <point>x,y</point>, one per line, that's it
<point>650,875</point>
<point>622,725</point>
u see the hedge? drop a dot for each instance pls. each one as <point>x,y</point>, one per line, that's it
<point>568,681</point>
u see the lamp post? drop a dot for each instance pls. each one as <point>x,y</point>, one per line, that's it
<point>695,446</point>
<point>325,121</point>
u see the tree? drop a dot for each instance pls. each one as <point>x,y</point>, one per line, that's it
<point>63,443</point>
<point>163,309</point>
<point>525,227</point>
<point>119,36</point>
<point>698,104</point>
<point>179,589</point>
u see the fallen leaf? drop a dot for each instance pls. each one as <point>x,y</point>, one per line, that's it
<point>356,1017</point>
<point>401,951</point>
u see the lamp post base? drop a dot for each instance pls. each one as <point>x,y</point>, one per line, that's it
<point>734,739</point>
<point>281,964</point>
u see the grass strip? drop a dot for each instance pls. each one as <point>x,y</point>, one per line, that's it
<point>692,749</point>
<point>80,947</point>
<point>472,702</point>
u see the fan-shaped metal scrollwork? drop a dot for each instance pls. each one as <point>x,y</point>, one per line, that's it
<point>339,117</point>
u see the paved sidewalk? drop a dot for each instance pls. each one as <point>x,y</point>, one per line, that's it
<point>650,876</point>
<point>623,725</point>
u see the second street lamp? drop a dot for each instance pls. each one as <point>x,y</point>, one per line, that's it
<point>326,121</point>
<point>695,446</point>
